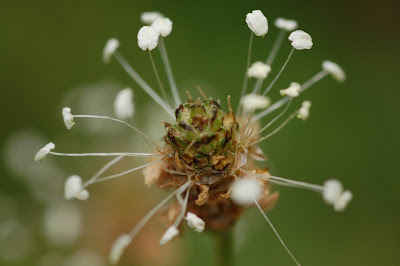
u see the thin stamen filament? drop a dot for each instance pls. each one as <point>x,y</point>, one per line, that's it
<point>247,67</point>
<point>135,230</point>
<point>317,77</point>
<point>183,210</point>
<point>279,73</point>
<point>271,57</point>
<point>146,218</point>
<point>320,75</point>
<point>123,154</point>
<point>124,173</point>
<point>276,130</point>
<point>275,47</point>
<point>138,79</point>
<point>257,86</point>
<point>275,231</point>
<point>298,183</point>
<point>102,170</point>
<point>288,182</point>
<point>116,120</point>
<point>158,78</point>
<point>277,117</point>
<point>168,70</point>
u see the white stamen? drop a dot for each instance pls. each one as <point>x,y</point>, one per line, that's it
<point>42,153</point>
<point>275,48</point>
<point>168,70</point>
<point>94,178</point>
<point>333,194</point>
<point>73,188</point>
<point>276,130</point>
<point>68,118</point>
<point>109,50</point>
<point>163,26</point>
<point>247,67</point>
<point>195,222</point>
<point>332,190</point>
<point>277,117</point>
<point>258,70</point>
<point>119,121</point>
<point>288,182</point>
<point>124,154</point>
<point>123,105</point>
<point>138,79</point>
<point>184,203</point>
<point>314,79</point>
<point>244,190</point>
<point>251,102</point>
<point>304,111</point>
<point>135,230</point>
<point>119,246</point>
<point>147,38</point>
<point>158,79</point>
<point>300,40</point>
<point>279,73</point>
<point>286,24</point>
<point>257,22</point>
<point>293,90</point>
<point>335,70</point>
<point>124,173</point>
<point>149,17</point>
<point>171,232</point>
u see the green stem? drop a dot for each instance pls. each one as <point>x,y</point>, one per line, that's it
<point>223,241</point>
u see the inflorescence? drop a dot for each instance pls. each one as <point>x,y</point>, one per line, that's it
<point>208,156</point>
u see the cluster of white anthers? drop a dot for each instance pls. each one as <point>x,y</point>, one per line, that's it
<point>333,194</point>
<point>245,191</point>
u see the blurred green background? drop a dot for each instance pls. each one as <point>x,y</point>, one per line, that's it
<point>50,53</point>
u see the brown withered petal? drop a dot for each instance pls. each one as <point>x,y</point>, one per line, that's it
<point>203,196</point>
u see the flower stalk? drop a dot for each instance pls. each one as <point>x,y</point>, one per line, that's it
<point>223,245</point>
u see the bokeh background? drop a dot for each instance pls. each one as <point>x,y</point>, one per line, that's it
<point>50,54</point>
